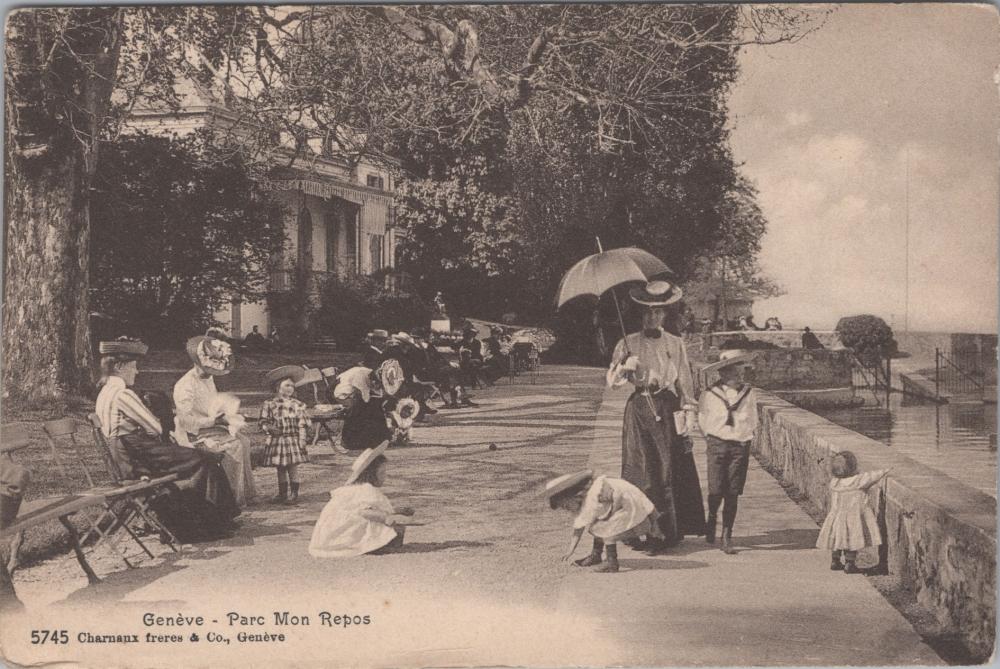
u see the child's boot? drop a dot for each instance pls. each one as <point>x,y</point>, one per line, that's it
<point>727,541</point>
<point>594,557</point>
<point>294,497</point>
<point>710,528</point>
<point>282,492</point>
<point>850,557</point>
<point>835,563</point>
<point>611,565</point>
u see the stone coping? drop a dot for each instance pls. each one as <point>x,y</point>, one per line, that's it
<point>962,502</point>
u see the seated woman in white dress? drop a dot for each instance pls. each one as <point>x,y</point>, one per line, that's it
<point>359,518</point>
<point>210,418</point>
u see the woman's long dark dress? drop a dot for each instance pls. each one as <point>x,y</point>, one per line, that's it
<point>202,504</point>
<point>364,423</point>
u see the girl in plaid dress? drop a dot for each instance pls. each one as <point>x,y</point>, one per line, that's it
<point>284,420</point>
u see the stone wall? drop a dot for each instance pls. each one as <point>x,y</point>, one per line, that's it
<point>780,338</point>
<point>798,369</point>
<point>940,534</point>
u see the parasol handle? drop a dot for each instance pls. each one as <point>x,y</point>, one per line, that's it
<point>621,322</point>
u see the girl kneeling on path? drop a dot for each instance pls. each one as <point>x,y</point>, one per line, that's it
<point>359,518</point>
<point>611,509</point>
<point>283,419</point>
<point>851,524</point>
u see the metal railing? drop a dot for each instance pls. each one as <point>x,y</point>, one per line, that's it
<point>953,380</point>
<point>876,377</point>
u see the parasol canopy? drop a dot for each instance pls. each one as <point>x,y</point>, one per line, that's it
<point>596,274</point>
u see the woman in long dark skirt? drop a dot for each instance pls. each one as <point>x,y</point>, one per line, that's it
<point>202,505</point>
<point>655,458</point>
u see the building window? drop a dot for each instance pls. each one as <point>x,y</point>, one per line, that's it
<point>375,181</point>
<point>375,247</point>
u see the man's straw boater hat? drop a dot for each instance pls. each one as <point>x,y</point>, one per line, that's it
<point>729,358</point>
<point>123,347</point>
<point>364,461</point>
<point>293,372</point>
<point>567,482</point>
<point>656,294</point>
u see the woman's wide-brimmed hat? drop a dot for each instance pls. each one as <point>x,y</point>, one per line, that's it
<point>364,461</point>
<point>729,358</point>
<point>656,294</point>
<point>293,372</point>
<point>123,347</point>
<point>212,356</point>
<point>403,338</point>
<point>390,376</point>
<point>567,482</point>
<point>379,334</point>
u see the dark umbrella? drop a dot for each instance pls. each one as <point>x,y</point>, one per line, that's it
<point>601,272</point>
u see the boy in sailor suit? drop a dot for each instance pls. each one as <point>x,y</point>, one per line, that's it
<point>727,413</point>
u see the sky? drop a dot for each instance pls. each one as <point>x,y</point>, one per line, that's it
<point>828,129</point>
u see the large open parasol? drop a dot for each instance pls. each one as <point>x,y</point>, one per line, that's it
<point>601,272</point>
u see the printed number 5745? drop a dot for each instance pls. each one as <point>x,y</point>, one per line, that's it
<point>49,636</point>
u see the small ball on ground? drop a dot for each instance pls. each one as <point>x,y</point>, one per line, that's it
<point>493,447</point>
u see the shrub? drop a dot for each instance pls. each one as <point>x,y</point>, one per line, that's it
<point>742,342</point>
<point>868,336</point>
<point>351,306</point>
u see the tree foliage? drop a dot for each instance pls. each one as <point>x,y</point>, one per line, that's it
<point>174,236</point>
<point>868,336</point>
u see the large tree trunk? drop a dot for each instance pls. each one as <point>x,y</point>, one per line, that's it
<point>46,342</point>
<point>61,68</point>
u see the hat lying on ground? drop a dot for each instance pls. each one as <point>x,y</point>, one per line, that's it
<point>566,482</point>
<point>123,347</point>
<point>656,294</point>
<point>728,359</point>
<point>363,461</point>
<point>293,372</point>
<point>212,356</point>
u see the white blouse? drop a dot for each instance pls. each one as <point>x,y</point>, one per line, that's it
<point>663,362</point>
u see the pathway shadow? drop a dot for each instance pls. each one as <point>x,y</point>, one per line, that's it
<point>780,540</point>
<point>653,563</point>
<point>431,547</point>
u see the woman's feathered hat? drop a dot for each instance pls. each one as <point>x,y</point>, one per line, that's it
<point>212,356</point>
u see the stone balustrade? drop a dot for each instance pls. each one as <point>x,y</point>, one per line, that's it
<point>940,534</point>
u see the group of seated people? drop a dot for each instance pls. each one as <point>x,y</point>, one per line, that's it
<point>196,436</point>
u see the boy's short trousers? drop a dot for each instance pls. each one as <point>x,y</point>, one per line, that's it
<point>727,466</point>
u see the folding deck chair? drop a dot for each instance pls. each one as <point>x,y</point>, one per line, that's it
<point>39,511</point>
<point>320,420</point>
<point>133,495</point>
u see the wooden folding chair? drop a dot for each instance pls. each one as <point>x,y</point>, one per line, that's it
<point>36,512</point>
<point>320,421</point>
<point>135,495</point>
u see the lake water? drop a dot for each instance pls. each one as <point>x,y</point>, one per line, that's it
<point>956,439</point>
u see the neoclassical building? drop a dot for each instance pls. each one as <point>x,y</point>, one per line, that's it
<point>338,216</point>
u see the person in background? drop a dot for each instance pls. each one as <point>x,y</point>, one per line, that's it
<point>470,357</point>
<point>498,363</point>
<point>772,323</point>
<point>367,396</point>
<point>810,340</point>
<point>727,413</point>
<point>255,341</point>
<point>375,352</point>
